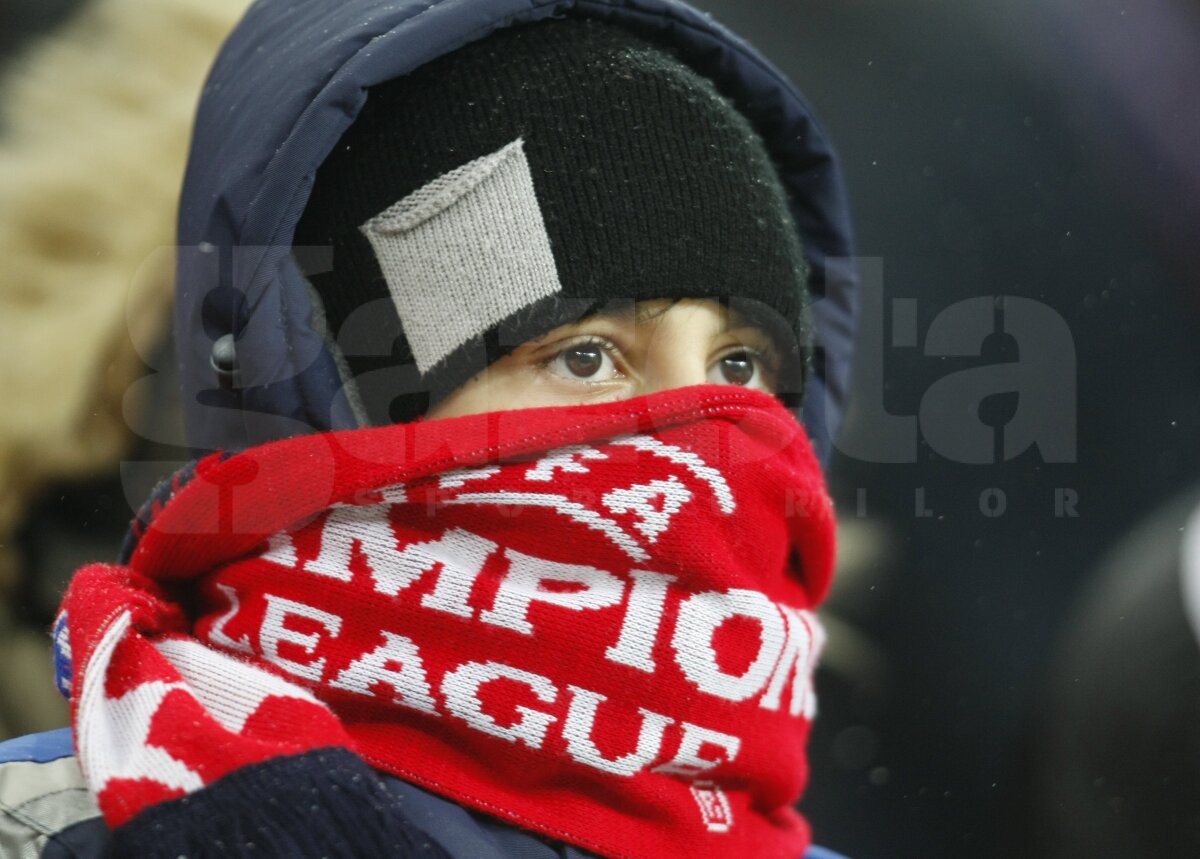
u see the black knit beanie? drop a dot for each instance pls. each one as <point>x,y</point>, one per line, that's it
<point>524,181</point>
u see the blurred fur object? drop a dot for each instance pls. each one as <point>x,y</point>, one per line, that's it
<point>94,131</point>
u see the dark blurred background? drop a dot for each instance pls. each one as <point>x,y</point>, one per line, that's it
<point>1038,150</point>
<point>1048,150</point>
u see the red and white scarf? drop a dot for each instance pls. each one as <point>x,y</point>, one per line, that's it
<point>594,622</point>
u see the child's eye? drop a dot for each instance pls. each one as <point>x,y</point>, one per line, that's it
<point>742,367</point>
<point>589,361</point>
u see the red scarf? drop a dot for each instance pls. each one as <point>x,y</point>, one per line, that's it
<point>594,622</point>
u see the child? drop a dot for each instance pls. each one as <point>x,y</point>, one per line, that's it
<point>557,594</point>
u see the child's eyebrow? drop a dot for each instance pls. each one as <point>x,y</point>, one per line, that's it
<point>753,315</point>
<point>622,315</point>
<point>644,313</point>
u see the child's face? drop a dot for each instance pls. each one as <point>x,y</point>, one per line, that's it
<point>650,346</point>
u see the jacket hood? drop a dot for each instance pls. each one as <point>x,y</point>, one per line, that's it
<point>291,79</point>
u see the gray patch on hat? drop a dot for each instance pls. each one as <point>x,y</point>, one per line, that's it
<point>464,252</point>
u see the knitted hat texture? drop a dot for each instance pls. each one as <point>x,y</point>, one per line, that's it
<point>525,181</point>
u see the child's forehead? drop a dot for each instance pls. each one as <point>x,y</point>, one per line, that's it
<point>685,317</point>
<point>649,312</point>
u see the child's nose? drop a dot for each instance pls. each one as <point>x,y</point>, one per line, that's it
<point>676,370</point>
